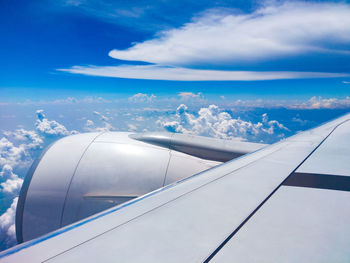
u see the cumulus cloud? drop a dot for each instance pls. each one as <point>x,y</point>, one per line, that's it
<point>324,103</point>
<point>157,72</point>
<point>275,29</point>
<point>12,183</point>
<point>19,155</point>
<point>12,186</point>
<point>91,127</point>
<point>214,122</point>
<point>31,139</point>
<point>51,128</point>
<point>7,225</point>
<point>140,97</point>
<point>29,142</point>
<point>11,154</point>
<point>105,124</point>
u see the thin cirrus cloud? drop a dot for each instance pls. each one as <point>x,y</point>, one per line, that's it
<point>156,72</point>
<point>215,39</point>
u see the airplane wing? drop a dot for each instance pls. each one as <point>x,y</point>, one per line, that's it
<point>288,202</point>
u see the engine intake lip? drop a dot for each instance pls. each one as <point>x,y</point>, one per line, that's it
<point>23,195</point>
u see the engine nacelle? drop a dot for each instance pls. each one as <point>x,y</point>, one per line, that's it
<point>83,174</point>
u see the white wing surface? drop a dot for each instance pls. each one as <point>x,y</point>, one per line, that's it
<point>288,202</point>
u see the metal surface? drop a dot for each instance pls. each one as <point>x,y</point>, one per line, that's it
<point>332,157</point>
<point>296,225</point>
<point>84,174</point>
<point>203,147</point>
<point>23,196</point>
<point>108,169</point>
<point>46,193</point>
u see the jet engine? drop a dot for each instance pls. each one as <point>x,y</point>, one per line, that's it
<point>83,174</point>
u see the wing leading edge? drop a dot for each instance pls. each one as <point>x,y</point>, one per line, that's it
<point>218,215</point>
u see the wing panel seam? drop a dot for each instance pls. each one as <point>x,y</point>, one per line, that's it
<point>228,238</point>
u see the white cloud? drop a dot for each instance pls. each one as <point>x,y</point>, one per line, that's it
<point>29,142</point>
<point>50,128</point>
<point>346,82</point>
<point>12,183</point>
<point>101,116</point>
<point>300,121</point>
<point>7,225</point>
<point>323,103</point>
<point>214,122</point>
<point>228,38</point>
<point>140,97</point>
<point>90,126</point>
<point>31,138</point>
<point>89,123</point>
<point>272,125</point>
<point>190,95</point>
<point>132,127</point>
<point>6,173</point>
<point>69,100</point>
<point>274,30</point>
<point>185,74</point>
<point>12,186</point>
<point>14,155</point>
<point>66,101</point>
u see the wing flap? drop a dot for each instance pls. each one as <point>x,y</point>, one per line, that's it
<point>297,224</point>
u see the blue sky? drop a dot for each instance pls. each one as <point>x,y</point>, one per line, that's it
<point>40,37</point>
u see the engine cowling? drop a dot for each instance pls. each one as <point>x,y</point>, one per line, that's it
<point>83,174</point>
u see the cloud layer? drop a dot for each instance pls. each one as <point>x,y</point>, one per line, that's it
<point>324,103</point>
<point>274,30</point>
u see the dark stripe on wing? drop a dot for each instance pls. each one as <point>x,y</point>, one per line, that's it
<point>321,181</point>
